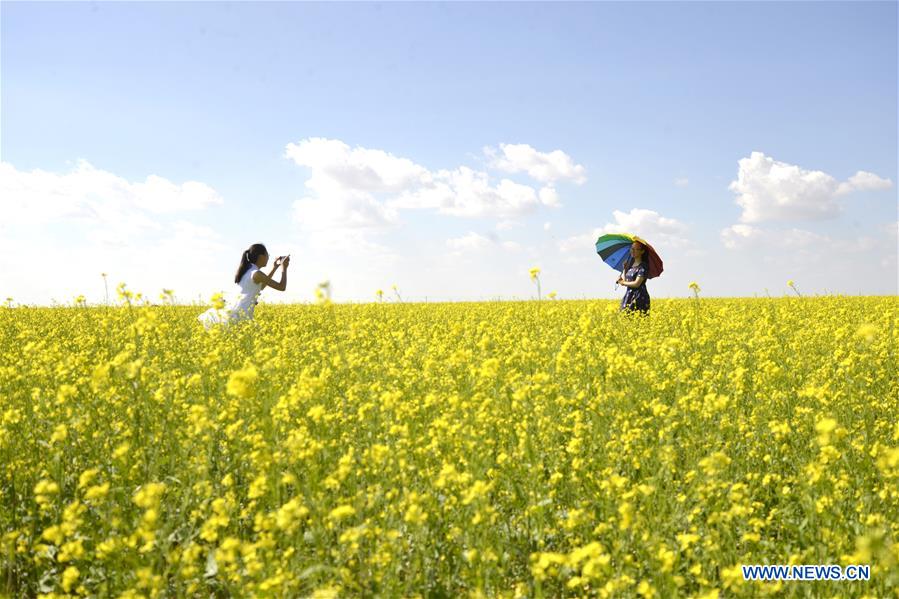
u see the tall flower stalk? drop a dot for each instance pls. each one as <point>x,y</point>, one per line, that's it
<point>695,287</point>
<point>535,276</point>
<point>323,293</point>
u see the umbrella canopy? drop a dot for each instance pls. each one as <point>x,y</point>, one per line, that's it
<point>614,249</point>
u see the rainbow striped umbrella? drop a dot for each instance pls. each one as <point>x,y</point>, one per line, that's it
<point>614,249</point>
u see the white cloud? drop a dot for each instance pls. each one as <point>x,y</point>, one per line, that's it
<point>365,189</point>
<point>467,193</point>
<point>475,242</point>
<point>335,165</point>
<point>159,195</point>
<point>549,197</point>
<point>193,238</point>
<point>681,182</point>
<point>355,194</point>
<point>547,225</point>
<point>343,209</point>
<point>651,226</point>
<point>505,225</point>
<point>864,181</point>
<point>769,190</point>
<point>737,237</point>
<point>350,243</point>
<point>343,182</point>
<point>89,220</point>
<point>794,238</point>
<point>663,233</point>
<point>585,242</point>
<point>470,241</point>
<point>96,196</point>
<point>545,167</point>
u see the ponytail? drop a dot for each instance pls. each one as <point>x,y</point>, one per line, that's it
<point>249,257</point>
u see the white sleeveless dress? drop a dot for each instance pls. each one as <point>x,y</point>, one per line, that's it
<point>240,308</point>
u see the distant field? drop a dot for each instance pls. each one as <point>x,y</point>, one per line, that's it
<point>516,449</point>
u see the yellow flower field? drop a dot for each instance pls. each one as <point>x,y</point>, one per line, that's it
<point>513,449</point>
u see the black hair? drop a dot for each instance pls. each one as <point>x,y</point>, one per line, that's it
<point>249,257</point>
<point>644,258</point>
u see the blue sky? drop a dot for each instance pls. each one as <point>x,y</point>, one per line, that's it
<point>655,104</point>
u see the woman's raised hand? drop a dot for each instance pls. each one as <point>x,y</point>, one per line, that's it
<point>286,262</point>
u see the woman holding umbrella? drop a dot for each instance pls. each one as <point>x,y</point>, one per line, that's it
<point>637,261</point>
<point>634,278</point>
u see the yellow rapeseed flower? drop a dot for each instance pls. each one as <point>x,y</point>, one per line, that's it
<point>242,383</point>
<point>69,578</point>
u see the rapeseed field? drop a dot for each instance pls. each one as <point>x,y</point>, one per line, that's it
<point>507,449</point>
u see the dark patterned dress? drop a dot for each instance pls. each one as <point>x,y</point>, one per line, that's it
<point>636,299</point>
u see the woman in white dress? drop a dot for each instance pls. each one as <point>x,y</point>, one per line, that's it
<point>252,281</point>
